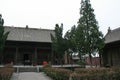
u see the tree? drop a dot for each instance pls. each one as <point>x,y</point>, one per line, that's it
<point>90,39</point>
<point>70,42</point>
<point>70,37</point>
<point>3,36</point>
<point>58,42</point>
<point>80,42</point>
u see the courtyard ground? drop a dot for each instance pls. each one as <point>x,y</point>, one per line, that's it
<point>30,76</point>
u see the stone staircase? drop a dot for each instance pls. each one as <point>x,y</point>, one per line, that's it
<point>27,69</point>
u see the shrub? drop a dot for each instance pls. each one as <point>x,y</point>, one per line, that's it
<point>8,66</point>
<point>96,74</point>
<point>58,73</point>
<point>47,66</point>
<point>83,73</point>
<point>6,72</point>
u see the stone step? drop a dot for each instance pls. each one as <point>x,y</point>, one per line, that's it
<point>27,69</point>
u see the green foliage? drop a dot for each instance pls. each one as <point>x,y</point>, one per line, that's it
<point>58,42</point>
<point>89,39</point>
<point>83,73</point>
<point>96,74</point>
<point>81,62</point>
<point>47,66</point>
<point>70,37</point>
<point>58,73</point>
<point>3,34</point>
<point>83,39</point>
<point>3,37</point>
<point>57,39</point>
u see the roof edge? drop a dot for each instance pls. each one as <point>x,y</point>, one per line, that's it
<point>29,28</point>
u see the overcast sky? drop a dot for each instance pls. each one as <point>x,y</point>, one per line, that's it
<point>46,13</point>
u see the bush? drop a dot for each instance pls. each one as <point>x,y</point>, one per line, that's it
<point>81,62</point>
<point>6,72</point>
<point>47,66</point>
<point>96,74</point>
<point>58,73</point>
<point>83,73</point>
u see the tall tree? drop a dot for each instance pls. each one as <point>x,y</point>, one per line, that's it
<point>80,45</point>
<point>90,39</point>
<point>58,42</point>
<point>3,36</point>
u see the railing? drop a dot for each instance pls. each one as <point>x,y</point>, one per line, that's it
<point>18,68</point>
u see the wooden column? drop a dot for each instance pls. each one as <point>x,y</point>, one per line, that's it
<point>52,55</point>
<point>16,56</point>
<point>35,62</point>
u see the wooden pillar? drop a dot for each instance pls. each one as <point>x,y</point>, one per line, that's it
<point>111,59</point>
<point>35,60</point>
<point>51,58</point>
<point>16,56</point>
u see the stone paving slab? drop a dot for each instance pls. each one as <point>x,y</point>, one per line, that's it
<point>30,76</point>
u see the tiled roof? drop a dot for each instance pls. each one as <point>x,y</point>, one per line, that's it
<point>29,34</point>
<point>112,36</point>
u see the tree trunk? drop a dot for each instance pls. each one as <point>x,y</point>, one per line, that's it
<point>100,56</point>
<point>80,56</point>
<point>1,57</point>
<point>90,57</point>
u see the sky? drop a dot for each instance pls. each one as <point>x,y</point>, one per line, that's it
<point>46,13</point>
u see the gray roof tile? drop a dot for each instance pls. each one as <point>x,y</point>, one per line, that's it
<point>29,34</point>
<point>113,36</point>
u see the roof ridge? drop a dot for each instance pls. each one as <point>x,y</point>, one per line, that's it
<point>113,36</point>
<point>28,28</point>
<point>116,29</point>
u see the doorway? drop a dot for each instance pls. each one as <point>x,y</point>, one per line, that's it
<point>27,59</point>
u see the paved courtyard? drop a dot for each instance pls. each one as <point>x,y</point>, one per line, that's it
<point>30,76</point>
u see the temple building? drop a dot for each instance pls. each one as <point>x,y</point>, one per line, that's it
<point>27,46</point>
<point>111,51</point>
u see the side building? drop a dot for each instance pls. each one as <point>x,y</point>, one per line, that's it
<point>27,46</point>
<point>111,51</point>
